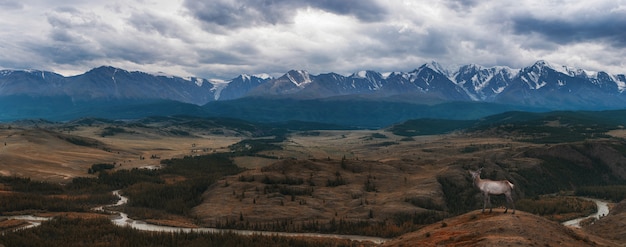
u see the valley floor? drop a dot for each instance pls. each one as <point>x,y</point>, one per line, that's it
<point>373,177</point>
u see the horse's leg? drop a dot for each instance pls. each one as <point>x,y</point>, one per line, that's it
<point>509,199</point>
<point>506,206</point>
<point>485,199</point>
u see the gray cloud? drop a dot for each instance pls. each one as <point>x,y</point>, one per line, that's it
<point>152,23</point>
<point>65,48</point>
<point>70,40</point>
<point>13,5</point>
<point>223,38</point>
<point>461,5</point>
<point>247,13</point>
<point>608,27</point>
<point>72,18</point>
<point>367,10</point>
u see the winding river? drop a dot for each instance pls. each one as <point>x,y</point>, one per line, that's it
<point>122,219</point>
<point>603,210</point>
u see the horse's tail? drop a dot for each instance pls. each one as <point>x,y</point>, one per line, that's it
<point>510,184</point>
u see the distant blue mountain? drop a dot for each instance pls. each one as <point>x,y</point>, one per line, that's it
<point>541,86</point>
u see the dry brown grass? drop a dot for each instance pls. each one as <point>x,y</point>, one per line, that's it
<point>42,155</point>
<point>394,181</point>
<point>398,167</point>
<point>404,169</point>
<point>498,229</point>
<point>613,226</point>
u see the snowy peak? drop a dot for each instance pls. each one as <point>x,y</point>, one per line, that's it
<point>243,77</point>
<point>263,76</point>
<point>539,68</point>
<point>249,78</point>
<point>366,74</point>
<point>361,74</point>
<point>546,75</point>
<point>534,75</point>
<point>544,66</point>
<point>238,87</point>
<point>468,71</point>
<point>574,72</point>
<point>299,77</point>
<point>370,76</point>
<point>483,83</point>
<point>540,64</point>
<point>431,81</point>
<point>436,67</point>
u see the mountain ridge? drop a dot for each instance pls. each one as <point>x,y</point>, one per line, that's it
<point>541,86</point>
<point>472,82</point>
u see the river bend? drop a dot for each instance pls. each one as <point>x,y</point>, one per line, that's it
<point>603,210</point>
<point>122,219</point>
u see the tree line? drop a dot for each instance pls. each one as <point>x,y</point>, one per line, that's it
<point>396,225</point>
<point>73,232</point>
<point>145,188</point>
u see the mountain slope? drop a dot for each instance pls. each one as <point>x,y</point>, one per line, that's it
<point>484,84</point>
<point>497,229</point>
<point>238,87</point>
<point>348,112</point>
<point>64,108</point>
<point>541,86</point>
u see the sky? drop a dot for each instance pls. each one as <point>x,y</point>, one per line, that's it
<point>220,39</point>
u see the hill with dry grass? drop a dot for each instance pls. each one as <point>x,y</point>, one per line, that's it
<point>368,182</point>
<point>612,226</point>
<point>302,192</point>
<point>58,152</point>
<point>497,229</point>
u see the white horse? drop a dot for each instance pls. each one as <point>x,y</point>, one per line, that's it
<point>489,187</point>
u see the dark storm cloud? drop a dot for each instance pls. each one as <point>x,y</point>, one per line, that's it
<point>609,28</point>
<point>137,53</point>
<point>68,41</point>
<point>235,14</point>
<point>236,53</point>
<point>229,37</point>
<point>150,22</point>
<point>364,10</point>
<point>79,36</point>
<point>461,5</point>
<point>62,52</point>
<point>222,57</point>
<point>6,4</point>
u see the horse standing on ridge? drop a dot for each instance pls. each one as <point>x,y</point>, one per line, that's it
<point>489,187</point>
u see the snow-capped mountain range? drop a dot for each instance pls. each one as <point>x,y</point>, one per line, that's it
<point>538,85</point>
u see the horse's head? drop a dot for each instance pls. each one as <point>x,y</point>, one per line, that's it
<point>475,174</point>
